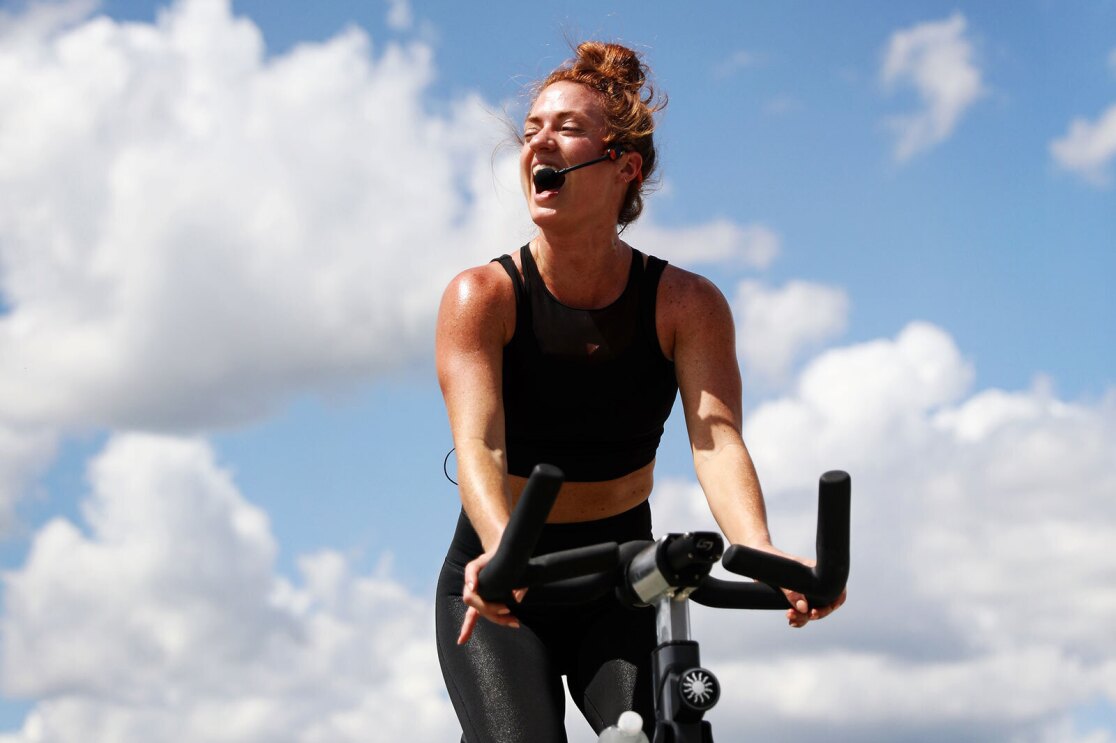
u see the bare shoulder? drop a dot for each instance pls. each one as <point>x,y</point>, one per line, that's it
<point>483,296</point>
<point>690,289</point>
<point>689,305</point>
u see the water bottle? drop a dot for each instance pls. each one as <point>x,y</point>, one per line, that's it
<point>628,729</point>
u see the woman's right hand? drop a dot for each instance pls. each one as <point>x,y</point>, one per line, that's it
<point>496,612</point>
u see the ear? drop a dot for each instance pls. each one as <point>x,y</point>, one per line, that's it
<point>632,167</point>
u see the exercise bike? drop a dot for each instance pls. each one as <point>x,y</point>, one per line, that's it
<point>666,574</point>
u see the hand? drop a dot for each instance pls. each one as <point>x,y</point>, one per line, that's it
<point>801,612</point>
<point>492,611</point>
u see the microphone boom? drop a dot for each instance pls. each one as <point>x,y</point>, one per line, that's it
<point>549,179</point>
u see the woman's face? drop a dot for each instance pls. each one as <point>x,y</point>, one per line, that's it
<point>566,126</point>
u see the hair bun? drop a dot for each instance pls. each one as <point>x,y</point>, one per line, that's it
<point>619,64</point>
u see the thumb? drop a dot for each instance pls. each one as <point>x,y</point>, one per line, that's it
<point>798,602</point>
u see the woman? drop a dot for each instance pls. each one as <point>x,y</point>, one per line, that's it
<point>571,351</point>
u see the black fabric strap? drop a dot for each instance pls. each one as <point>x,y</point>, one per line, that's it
<point>522,307</point>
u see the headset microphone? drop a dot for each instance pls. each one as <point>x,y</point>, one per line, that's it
<point>549,179</point>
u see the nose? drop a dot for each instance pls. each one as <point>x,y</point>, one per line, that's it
<point>542,140</point>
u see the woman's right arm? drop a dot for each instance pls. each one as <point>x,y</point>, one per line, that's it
<point>476,319</point>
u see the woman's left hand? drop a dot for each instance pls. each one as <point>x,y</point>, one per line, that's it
<point>801,612</point>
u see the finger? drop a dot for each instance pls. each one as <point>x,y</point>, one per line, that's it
<point>799,604</point>
<point>467,626</point>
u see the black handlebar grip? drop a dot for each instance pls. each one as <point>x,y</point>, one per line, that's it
<point>822,584</point>
<point>726,594</point>
<point>503,572</point>
<point>834,503</point>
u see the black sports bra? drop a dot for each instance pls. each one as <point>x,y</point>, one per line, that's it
<point>585,390</point>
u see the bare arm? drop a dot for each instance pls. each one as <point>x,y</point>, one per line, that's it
<point>475,320</point>
<point>471,331</point>
<point>704,352</point>
<point>696,322</point>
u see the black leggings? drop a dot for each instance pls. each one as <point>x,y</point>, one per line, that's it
<point>505,684</point>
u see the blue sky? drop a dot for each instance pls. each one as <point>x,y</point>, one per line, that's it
<point>224,237</point>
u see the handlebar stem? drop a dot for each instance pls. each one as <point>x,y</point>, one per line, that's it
<point>672,618</point>
<point>674,566</point>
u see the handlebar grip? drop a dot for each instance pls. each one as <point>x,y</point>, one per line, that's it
<point>504,571</point>
<point>834,502</point>
<point>822,584</point>
<point>768,568</point>
<point>727,594</point>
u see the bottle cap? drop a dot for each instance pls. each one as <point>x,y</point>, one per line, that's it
<point>630,722</point>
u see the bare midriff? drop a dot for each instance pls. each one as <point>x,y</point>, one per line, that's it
<point>589,501</point>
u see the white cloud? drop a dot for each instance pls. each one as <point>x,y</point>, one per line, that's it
<point>720,241</point>
<point>165,621</point>
<point>193,231</point>
<point>850,403</point>
<point>978,604</point>
<point>981,588</point>
<point>935,59</point>
<point>1088,147</point>
<point>980,585</point>
<point>776,326</point>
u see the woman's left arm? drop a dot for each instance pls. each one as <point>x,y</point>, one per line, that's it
<point>695,323</point>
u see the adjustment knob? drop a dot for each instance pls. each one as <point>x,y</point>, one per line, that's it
<point>699,689</point>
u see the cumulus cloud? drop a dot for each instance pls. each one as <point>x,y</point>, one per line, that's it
<point>193,231</point>
<point>981,581</point>
<point>776,326</point>
<point>980,588</point>
<point>164,619</point>
<point>720,241</point>
<point>935,59</point>
<point>981,571</point>
<point>1088,147</point>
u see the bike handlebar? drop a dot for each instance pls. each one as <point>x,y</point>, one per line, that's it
<point>587,572</point>
<point>821,584</point>
<point>505,570</point>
